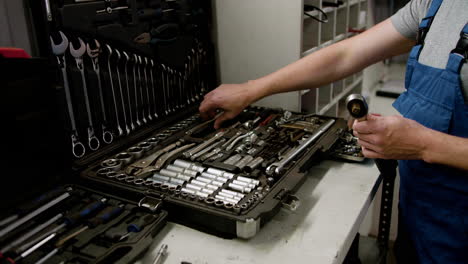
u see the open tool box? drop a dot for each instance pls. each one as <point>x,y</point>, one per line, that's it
<point>128,78</point>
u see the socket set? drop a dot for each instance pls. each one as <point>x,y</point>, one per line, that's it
<point>245,170</point>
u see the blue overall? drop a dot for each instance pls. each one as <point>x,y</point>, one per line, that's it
<point>434,198</point>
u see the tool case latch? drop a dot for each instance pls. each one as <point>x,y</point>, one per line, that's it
<point>288,200</point>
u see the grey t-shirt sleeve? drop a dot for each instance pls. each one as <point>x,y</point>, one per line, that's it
<point>407,19</point>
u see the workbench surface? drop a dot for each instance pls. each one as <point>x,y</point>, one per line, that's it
<point>334,200</point>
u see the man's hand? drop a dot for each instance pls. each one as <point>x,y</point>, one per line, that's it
<point>391,137</point>
<point>231,98</point>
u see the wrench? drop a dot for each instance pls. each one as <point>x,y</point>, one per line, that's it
<point>78,149</point>
<point>127,59</point>
<point>107,136</point>
<point>141,89</point>
<point>135,65</point>
<point>93,141</point>
<point>127,129</point>
<point>181,90</point>
<point>193,151</point>
<point>119,128</point>
<point>150,117</point>
<point>153,88</point>
<point>164,86</point>
<point>194,74</point>
<point>172,89</point>
<point>278,167</point>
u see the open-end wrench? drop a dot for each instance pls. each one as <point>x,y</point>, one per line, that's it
<point>181,89</point>
<point>186,87</point>
<point>153,88</point>
<point>78,149</point>
<point>148,98</point>
<point>127,128</point>
<point>135,88</point>
<point>164,87</point>
<point>107,136</point>
<point>195,75</point>
<point>127,59</point>
<point>93,141</point>
<point>142,96</point>
<point>173,89</point>
<point>119,128</point>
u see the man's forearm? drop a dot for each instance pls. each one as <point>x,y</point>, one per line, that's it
<point>335,62</point>
<point>446,149</point>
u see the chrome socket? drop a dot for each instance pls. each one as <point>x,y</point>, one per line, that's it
<point>244,161</point>
<point>124,157</point>
<point>187,191</point>
<point>145,146</point>
<point>111,174</point>
<point>240,195</point>
<point>220,173</point>
<point>188,165</point>
<point>153,141</point>
<point>233,159</point>
<point>102,172</point>
<point>148,182</point>
<point>185,171</point>
<point>248,180</point>
<point>244,184</point>
<point>209,200</point>
<point>129,179</point>
<point>136,152</point>
<point>138,182</point>
<point>251,166</point>
<point>121,177</point>
<point>202,194</point>
<point>219,203</point>
<point>239,188</point>
<point>113,164</point>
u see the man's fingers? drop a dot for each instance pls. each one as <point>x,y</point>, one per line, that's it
<point>368,153</point>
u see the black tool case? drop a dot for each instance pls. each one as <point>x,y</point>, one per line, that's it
<point>47,214</point>
<point>156,62</point>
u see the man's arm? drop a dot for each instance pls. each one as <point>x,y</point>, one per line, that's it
<point>322,67</point>
<point>396,137</point>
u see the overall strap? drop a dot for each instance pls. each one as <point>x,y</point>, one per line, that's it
<point>427,21</point>
<point>459,55</point>
<point>424,26</point>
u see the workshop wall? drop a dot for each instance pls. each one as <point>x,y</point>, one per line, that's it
<point>13,26</point>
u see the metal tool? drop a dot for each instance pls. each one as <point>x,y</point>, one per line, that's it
<point>208,148</point>
<point>107,136</point>
<point>162,160</point>
<point>164,87</point>
<point>141,165</point>
<point>357,106</point>
<point>122,101</point>
<point>140,85</point>
<point>278,167</point>
<point>148,97</point>
<point>138,225</point>
<point>203,145</point>
<point>103,217</point>
<point>127,59</point>
<point>162,252</point>
<point>135,88</point>
<point>33,214</point>
<point>119,128</point>
<point>93,141</point>
<point>78,149</point>
<point>234,142</point>
<point>153,88</point>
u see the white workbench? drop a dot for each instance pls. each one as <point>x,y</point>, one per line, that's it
<point>334,200</point>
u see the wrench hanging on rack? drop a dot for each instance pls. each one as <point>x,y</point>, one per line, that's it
<point>119,128</point>
<point>164,86</point>
<point>78,149</point>
<point>93,141</point>
<point>153,88</point>
<point>127,59</point>
<point>187,90</point>
<point>127,128</point>
<point>107,136</point>
<point>138,59</point>
<point>135,88</point>
<point>145,65</point>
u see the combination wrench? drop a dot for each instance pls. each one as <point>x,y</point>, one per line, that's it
<point>164,86</point>
<point>139,64</point>
<point>107,136</point>
<point>127,59</point>
<point>119,128</point>
<point>148,98</point>
<point>135,88</point>
<point>153,88</point>
<point>78,149</point>
<point>127,128</point>
<point>93,141</point>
